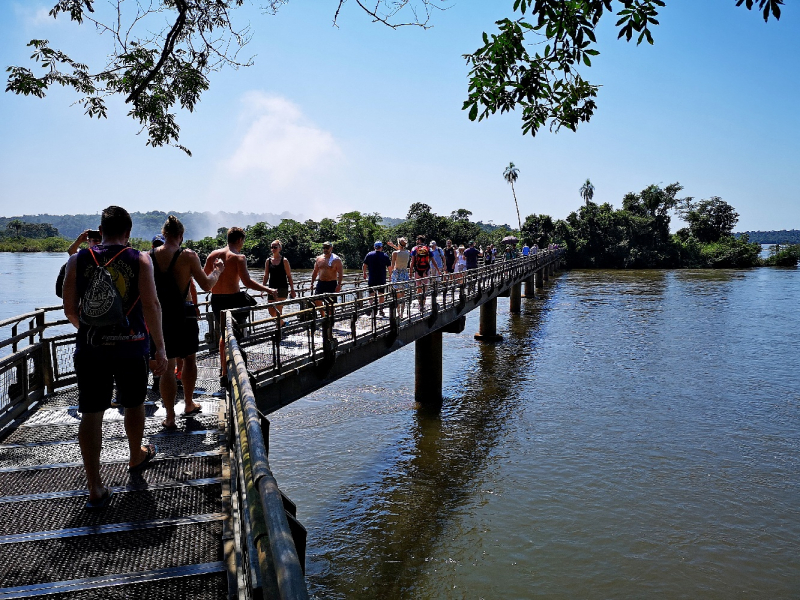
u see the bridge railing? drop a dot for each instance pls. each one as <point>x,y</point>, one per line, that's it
<point>282,336</point>
<point>268,561</point>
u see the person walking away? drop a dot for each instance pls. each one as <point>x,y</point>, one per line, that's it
<point>174,268</point>
<point>278,275</point>
<point>399,269</point>
<point>437,259</point>
<point>526,250</point>
<point>461,263</point>
<point>110,298</point>
<point>328,273</point>
<point>471,255</point>
<point>374,270</point>
<point>420,268</point>
<point>226,295</point>
<point>488,255</point>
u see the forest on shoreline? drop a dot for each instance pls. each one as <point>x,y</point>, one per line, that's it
<point>635,236</point>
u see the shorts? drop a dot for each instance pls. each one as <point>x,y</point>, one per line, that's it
<point>97,375</point>
<point>399,275</point>
<point>461,268</point>
<point>180,333</point>
<point>220,302</point>
<point>325,287</point>
<point>283,294</point>
<point>451,268</point>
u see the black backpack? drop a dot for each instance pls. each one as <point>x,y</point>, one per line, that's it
<point>101,303</point>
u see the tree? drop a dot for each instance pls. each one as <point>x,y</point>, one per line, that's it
<point>587,191</point>
<point>709,220</point>
<point>157,68</point>
<point>511,174</point>
<point>16,225</point>
<point>547,84</point>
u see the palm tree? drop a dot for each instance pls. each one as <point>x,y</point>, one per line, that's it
<point>16,224</point>
<point>587,191</point>
<point>510,175</point>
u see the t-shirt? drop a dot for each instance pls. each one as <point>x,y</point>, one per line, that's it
<point>449,257</point>
<point>525,250</point>
<point>376,266</point>
<point>436,255</point>
<point>471,254</point>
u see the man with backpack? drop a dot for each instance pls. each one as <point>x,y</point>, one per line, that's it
<point>420,267</point>
<point>110,297</point>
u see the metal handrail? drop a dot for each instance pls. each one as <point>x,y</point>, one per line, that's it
<point>282,564</point>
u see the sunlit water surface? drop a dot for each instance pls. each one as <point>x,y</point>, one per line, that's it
<point>635,435</point>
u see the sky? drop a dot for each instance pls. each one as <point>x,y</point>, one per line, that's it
<point>362,117</point>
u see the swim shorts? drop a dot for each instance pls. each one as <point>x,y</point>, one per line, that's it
<point>325,287</point>
<point>97,375</point>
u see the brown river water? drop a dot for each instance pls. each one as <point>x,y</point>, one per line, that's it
<point>635,435</point>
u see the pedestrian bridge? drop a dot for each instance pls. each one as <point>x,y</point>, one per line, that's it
<point>207,520</point>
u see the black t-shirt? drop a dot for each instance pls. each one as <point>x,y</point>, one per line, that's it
<point>449,256</point>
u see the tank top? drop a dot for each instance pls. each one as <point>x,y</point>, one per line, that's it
<point>277,275</point>
<point>125,340</point>
<point>401,260</point>
<point>170,296</point>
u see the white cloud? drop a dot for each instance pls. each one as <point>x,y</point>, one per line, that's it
<point>34,16</point>
<point>280,146</point>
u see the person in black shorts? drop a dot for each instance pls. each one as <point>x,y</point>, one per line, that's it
<point>226,295</point>
<point>112,355</point>
<point>174,268</point>
<point>278,275</point>
<point>374,269</point>
<point>330,271</point>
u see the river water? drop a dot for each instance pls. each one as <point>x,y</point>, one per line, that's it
<point>635,435</point>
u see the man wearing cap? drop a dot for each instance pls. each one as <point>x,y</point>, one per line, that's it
<point>375,263</point>
<point>158,241</point>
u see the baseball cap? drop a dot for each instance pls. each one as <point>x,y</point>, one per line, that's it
<point>378,244</point>
<point>158,240</point>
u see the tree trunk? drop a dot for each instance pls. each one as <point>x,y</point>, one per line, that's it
<point>517,205</point>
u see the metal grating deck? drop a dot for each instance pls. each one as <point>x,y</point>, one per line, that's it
<point>161,535</point>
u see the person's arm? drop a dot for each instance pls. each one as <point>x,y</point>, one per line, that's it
<point>209,266</point>
<point>247,281</point>
<point>393,263</point>
<point>205,281</point>
<point>364,268</point>
<point>289,277</point>
<point>71,309</point>
<point>339,274</point>
<point>152,311</point>
<point>76,245</point>
<point>314,274</point>
<point>266,272</point>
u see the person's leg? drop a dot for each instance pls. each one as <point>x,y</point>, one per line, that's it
<point>169,390</point>
<point>90,440</point>
<point>134,428</point>
<point>189,381</point>
<point>131,379</point>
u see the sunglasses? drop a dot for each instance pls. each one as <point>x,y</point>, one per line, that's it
<point>327,247</point>
<point>275,246</point>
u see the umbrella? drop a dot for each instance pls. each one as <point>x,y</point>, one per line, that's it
<point>510,239</point>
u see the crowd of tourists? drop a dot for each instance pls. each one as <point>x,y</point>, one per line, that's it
<point>137,312</point>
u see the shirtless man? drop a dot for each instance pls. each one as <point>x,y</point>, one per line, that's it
<point>329,270</point>
<point>225,294</point>
<point>174,268</point>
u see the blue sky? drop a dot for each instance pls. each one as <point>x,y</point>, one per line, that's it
<point>361,117</point>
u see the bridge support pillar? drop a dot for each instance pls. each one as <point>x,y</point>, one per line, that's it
<point>487,329</point>
<point>537,278</point>
<point>546,273</point>
<point>530,287</point>
<point>428,369</point>
<point>515,301</point>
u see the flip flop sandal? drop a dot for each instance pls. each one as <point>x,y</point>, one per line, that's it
<point>166,427</point>
<point>195,411</point>
<point>101,502</point>
<point>152,450</point>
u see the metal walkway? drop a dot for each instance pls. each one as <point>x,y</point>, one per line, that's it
<point>163,533</point>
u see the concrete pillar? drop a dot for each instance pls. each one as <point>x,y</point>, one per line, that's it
<point>428,369</point>
<point>487,329</point>
<point>537,277</point>
<point>530,287</point>
<point>546,273</point>
<point>515,302</point>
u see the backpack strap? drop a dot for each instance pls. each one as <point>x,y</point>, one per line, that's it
<point>108,262</point>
